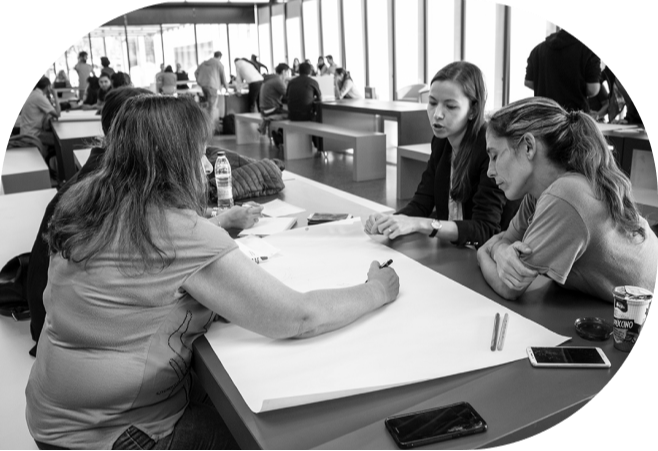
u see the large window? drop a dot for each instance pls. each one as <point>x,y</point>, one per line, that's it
<point>145,53</point>
<point>331,30</point>
<point>526,30</point>
<point>264,43</point>
<point>243,42</point>
<point>278,35</point>
<point>440,39</point>
<point>480,23</point>
<point>355,60</point>
<point>179,46</point>
<point>378,54</point>
<point>294,31</point>
<point>408,29</point>
<point>212,38</point>
<point>311,31</point>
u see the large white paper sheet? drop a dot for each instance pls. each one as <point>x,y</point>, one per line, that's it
<point>435,328</point>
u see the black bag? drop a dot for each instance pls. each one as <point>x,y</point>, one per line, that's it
<point>13,288</point>
<point>228,125</point>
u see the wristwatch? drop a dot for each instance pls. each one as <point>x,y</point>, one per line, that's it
<point>436,226</point>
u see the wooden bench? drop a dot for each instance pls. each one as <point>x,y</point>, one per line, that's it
<point>246,127</point>
<point>369,147</point>
<point>412,162</point>
<point>24,170</point>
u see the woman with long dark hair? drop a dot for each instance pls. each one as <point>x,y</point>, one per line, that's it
<point>137,274</point>
<point>578,223</point>
<point>470,209</point>
<point>344,85</point>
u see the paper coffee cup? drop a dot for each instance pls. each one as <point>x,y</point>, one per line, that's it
<point>631,310</point>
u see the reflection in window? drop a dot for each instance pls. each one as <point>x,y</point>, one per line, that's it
<point>311,31</point>
<point>527,30</point>
<point>331,30</point>
<point>440,38</point>
<point>406,46</point>
<point>355,60</point>
<point>378,60</point>
<point>480,22</point>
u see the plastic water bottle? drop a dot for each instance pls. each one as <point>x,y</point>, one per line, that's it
<point>223,180</point>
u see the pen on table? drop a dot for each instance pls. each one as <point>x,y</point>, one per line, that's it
<point>503,329</point>
<point>386,265</point>
<point>494,337</point>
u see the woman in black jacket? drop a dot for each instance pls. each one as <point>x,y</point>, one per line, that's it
<point>455,199</point>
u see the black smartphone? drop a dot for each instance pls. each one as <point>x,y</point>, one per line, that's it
<point>414,429</point>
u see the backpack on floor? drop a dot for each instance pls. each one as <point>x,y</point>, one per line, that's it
<point>13,288</point>
<point>228,125</point>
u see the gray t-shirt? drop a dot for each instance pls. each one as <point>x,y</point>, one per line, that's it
<point>116,348</point>
<point>575,242</point>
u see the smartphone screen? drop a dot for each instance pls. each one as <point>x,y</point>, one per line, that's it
<point>567,355</point>
<point>433,425</point>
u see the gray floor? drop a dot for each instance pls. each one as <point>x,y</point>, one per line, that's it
<point>335,171</point>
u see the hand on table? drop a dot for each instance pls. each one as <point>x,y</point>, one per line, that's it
<point>391,226</point>
<point>241,217</point>
<point>387,278</point>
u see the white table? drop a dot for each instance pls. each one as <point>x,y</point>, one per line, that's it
<point>24,170</point>
<point>79,115</point>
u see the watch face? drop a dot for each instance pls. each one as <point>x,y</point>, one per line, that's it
<point>436,225</point>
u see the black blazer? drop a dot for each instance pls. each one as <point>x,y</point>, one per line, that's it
<point>485,209</point>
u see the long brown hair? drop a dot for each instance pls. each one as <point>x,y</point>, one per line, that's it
<point>469,77</point>
<point>574,143</point>
<point>152,163</point>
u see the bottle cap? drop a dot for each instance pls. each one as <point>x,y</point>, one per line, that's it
<point>592,328</point>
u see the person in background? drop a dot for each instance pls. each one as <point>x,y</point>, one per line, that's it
<point>90,97</point>
<point>322,67</point>
<point>158,79</point>
<point>313,71</point>
<point>563,69</point>
<point>62,82</point>
<point>181,75</point>
<point>295,67</point>
<point>120,79</point>
<point>105,62</point>
<point>246,74</point>
<point>41,106</point>
<point>455,200</point>
<point>169,80</point>
<point>599,104</point>
<point>303,93</point>
<point>210,77</point>
<point>578,223</point>
<point>138,267</point>
<point>260,67</point>
<point>331,66</point>
<point>273,92</point>
<point>84,71</point>
<point>105,86</point>
<point>344,86</point>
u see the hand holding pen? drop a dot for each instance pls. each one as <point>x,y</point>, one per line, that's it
<point>387,277</point>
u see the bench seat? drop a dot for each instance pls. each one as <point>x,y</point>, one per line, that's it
<point>369,147</point>
<point>246,127</point>
<point>412,162</point>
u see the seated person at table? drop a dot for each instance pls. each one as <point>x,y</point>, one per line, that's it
<point>41,106</point>
<point>105,86</point>
<point>181,75</point>
<point>37,275</point>
<point>470,209</point>
<point>169,79</point>
<point>120,79</point>
<point>137,274</point>
<point>344,85</point>
<point>577,224</point>
<point>272,97</point>
<point>303,93</point>
<point>90,96</point>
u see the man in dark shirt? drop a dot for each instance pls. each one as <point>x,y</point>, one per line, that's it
<point>273,91</point>
<point>563,69</point>
<point>303,92</point>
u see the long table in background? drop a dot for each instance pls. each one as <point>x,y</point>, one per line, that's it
<point>71,135</point>
<point>369,115</point>
<point>515,399</point>
<point>79,116</point>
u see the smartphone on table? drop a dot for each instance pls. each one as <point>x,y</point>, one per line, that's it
<point>414,429</point>
<point>568,357</point>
